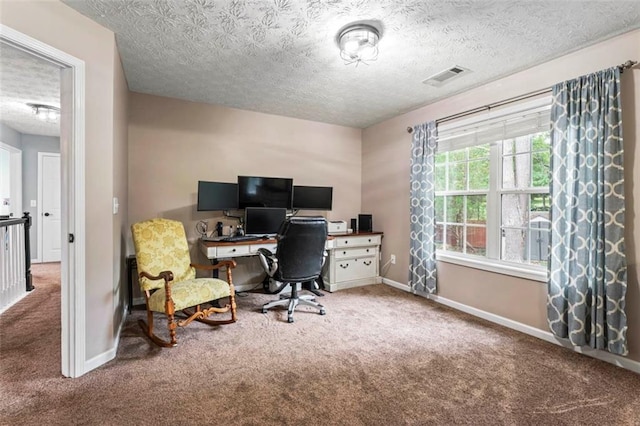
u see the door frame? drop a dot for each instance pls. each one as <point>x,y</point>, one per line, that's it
<point>72,193</point>
<point>39,211</point>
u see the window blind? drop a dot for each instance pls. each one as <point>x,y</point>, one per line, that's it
<point>523,121</point>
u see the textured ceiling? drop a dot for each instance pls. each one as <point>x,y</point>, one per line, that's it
<point>281,57</point>
<point>27,78</point>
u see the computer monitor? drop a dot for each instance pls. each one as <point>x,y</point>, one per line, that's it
<point>257,191</point>
<point>312,197</point>
<point>217,196</point>
<point>263,220</point>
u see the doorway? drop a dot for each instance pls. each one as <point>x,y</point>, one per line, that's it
<point>72,205</point>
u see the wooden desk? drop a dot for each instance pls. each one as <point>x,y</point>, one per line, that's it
<point>353,261</point>
<point>229,249</point>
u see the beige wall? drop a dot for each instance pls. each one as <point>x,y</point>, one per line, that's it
<point>59,26</point>
<point>120,189</point>
<point>385,191</point>
<point>174,143</point>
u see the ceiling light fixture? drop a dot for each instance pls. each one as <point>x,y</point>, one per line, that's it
<point>359,43</point>
<point>45,112</point>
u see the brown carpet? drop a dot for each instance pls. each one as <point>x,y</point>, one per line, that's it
<point>379,357</point>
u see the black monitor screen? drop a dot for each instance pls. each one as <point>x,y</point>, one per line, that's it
<point>264,192</point>
<point>217,196</point>
<point>263,220</point>
<point>312,197</point>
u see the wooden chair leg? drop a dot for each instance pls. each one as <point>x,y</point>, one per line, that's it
<point>232,300</point>
<point>148,330</point>
<point>172,329</point>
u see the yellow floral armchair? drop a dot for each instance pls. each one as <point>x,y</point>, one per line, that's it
<point>168,279</point>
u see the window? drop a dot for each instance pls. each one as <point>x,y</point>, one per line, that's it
<point>492,192</point>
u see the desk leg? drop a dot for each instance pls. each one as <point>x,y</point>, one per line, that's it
<point>131,265</point>
<point>215,272</point>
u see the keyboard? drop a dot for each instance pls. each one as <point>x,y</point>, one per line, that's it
<point>237,238</point>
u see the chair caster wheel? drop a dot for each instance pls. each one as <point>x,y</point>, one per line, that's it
<point>264,311</point>
<point>323,312</point>
<point>290,319</point>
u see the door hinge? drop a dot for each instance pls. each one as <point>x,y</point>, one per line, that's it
<point>72,238</point>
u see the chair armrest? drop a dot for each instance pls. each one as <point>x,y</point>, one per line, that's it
<point>164,275</point>
<point>227,263</point>
<point>230,264</point>
<point>167,276</point>
<point>268,260</point>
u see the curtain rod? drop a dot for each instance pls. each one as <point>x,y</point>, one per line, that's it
<point>626,65</point>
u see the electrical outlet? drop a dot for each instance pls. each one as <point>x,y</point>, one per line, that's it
<point>393,259</point>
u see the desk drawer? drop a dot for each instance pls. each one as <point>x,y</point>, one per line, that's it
<point>355,269</point>
<point>270,247</point>
<point>344,253</point>
<point>358,241</point>
<point>232,251</point>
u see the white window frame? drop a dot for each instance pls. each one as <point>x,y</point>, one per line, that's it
<point>492,260</point>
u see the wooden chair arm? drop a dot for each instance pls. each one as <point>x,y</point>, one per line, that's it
<point>227,263</point>
<point>164,275</point>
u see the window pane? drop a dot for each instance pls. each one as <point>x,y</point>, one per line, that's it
<point>439,209</point>
<point>455,238</point>
<point>477,209</point>
<point>477,240</point>
<point>441,177</point>
<point>540,203</point>
<point>457,176</point>
<point>480,151</point>
<point>541,142</point>
<point>441,158</point>
<point>455,209</point>
<point>541,171</point>
<point>516,171</point>
<point>479,174</point>
<point>517,145</point>
<point>515,210</point>
<point>513,245</point>
<point>538,244</point>
<point>438,237</point>
<point>459,155</point>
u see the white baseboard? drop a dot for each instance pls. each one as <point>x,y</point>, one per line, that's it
<point>22,296</point>
<point>110,354</point>
<point>547,336</point>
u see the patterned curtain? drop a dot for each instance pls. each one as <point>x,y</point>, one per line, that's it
<point>587,265</point>
<point>422,253</point>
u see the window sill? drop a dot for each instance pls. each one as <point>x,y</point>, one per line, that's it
<point>505,268</point>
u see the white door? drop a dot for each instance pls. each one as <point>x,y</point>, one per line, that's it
<point>10,181</point>
<point>50,217</point>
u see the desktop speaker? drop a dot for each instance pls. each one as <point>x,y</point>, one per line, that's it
<point>365,223</point>
<point>354,225</point>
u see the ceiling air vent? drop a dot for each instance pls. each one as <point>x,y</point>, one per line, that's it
<point>446,76</point>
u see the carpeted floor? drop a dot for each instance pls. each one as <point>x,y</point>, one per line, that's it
<point>379,357</point>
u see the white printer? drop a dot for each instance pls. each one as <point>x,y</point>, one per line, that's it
<point>337,227</point>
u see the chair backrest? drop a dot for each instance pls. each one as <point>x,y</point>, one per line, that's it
<point>161,245</point>
<point>300,252</point>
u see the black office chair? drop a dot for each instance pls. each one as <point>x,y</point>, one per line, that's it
<point>298,260</point>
